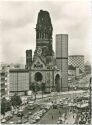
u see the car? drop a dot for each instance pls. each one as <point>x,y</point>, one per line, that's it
<point>25,121</point>
<point>43,111</point>
<point>11,122</point>
<point>31,102</point>
<point>42,107</point>
<point>59,122</point>
<point>15,112</point>
<point>21,110</point>
<point>30,113</point>
<point>39,114</point>
<point>20,114</point>
<point>8,118</point>
<point>3,120</point>
<point>47,107</point>
<point>36,118</point>
<point>19,122</point>
<point>82,122</point>
<point>25,116</point>
<point>32,121</point>
<point>54,106</point>
<point>61,100</point>
<point>31,107</point>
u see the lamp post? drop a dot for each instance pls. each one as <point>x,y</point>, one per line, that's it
<point>90,98</point>
<point>49,77</point>
<point>35,90</point>
<point>17,82</point>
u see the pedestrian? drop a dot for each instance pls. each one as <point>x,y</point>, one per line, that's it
<point>59,112</point>
<point>52,116</point>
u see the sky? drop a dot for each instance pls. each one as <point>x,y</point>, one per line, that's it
<point>18,21</point>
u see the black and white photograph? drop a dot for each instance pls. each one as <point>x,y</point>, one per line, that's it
<point>45,62</point>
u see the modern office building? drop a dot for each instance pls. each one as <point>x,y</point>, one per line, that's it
<point>77,61</point>
<point>19,81</point>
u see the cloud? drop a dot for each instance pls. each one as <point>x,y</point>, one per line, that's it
<point>15,14</point>
<point>18,20</point>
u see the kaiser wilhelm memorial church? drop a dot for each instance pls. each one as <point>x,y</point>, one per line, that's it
<point>46,66</point>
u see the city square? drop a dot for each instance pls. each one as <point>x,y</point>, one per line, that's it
<point>51,86</point>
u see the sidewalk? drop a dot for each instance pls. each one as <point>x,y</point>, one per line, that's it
<point>79,92</point>
<point>39,96</point>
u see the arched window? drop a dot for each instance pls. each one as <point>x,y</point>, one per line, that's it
<point>38,77</point>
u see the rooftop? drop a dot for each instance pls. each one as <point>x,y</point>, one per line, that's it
<point>18,70</point>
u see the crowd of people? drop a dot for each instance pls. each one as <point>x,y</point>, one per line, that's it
<point>76,115</point>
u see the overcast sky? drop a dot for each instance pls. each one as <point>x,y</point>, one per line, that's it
<point>18,20</point>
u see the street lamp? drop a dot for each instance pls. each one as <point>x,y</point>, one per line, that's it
<point>90,98</point>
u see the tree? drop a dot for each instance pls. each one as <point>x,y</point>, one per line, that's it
<point>34,89</point>
<point>42,88</point>
<point>5,106</point>
<point>16,100</point>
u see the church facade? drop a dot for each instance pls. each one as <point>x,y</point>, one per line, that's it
<point>44,67</point>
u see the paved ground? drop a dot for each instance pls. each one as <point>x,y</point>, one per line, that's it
<point>71,118</point>
<point>47,118</point>
<point>26,111</point>
<point>51,117</point>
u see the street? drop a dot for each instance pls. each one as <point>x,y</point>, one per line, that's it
<point>51,115</point>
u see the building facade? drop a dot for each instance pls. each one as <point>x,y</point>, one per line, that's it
<point>44,66</point>
<point>2,83</point>
<point>62,58</point>
<point>77,61</point>
<point>19,81</point>
<point>4,80</point>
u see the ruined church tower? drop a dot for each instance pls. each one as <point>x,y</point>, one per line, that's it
<point>44,32</point>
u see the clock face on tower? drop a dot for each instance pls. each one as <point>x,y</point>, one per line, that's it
<point>39,51</point>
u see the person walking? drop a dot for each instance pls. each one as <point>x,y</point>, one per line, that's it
<point>52,117</point>
<point>59,112</point>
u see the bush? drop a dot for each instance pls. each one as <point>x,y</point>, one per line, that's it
<point>16,100</point>
<point>5,106</point>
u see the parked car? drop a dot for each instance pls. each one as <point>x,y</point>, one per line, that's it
<point>32,121</point>
<point>37,117</point>
<point>30,113</point>
<point>31,107</point>
<point>8,117</point>
<point>15,112</point>
<point>3,120</point>
<point>20,114</point>
<point>43,111</point>
<point>25,116</point>
<point>19,122</point>
<point>59,122</point>
<point>11,122</point>
<point>39,114</point>
<point>54,106</point>
<point>25,121</point>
